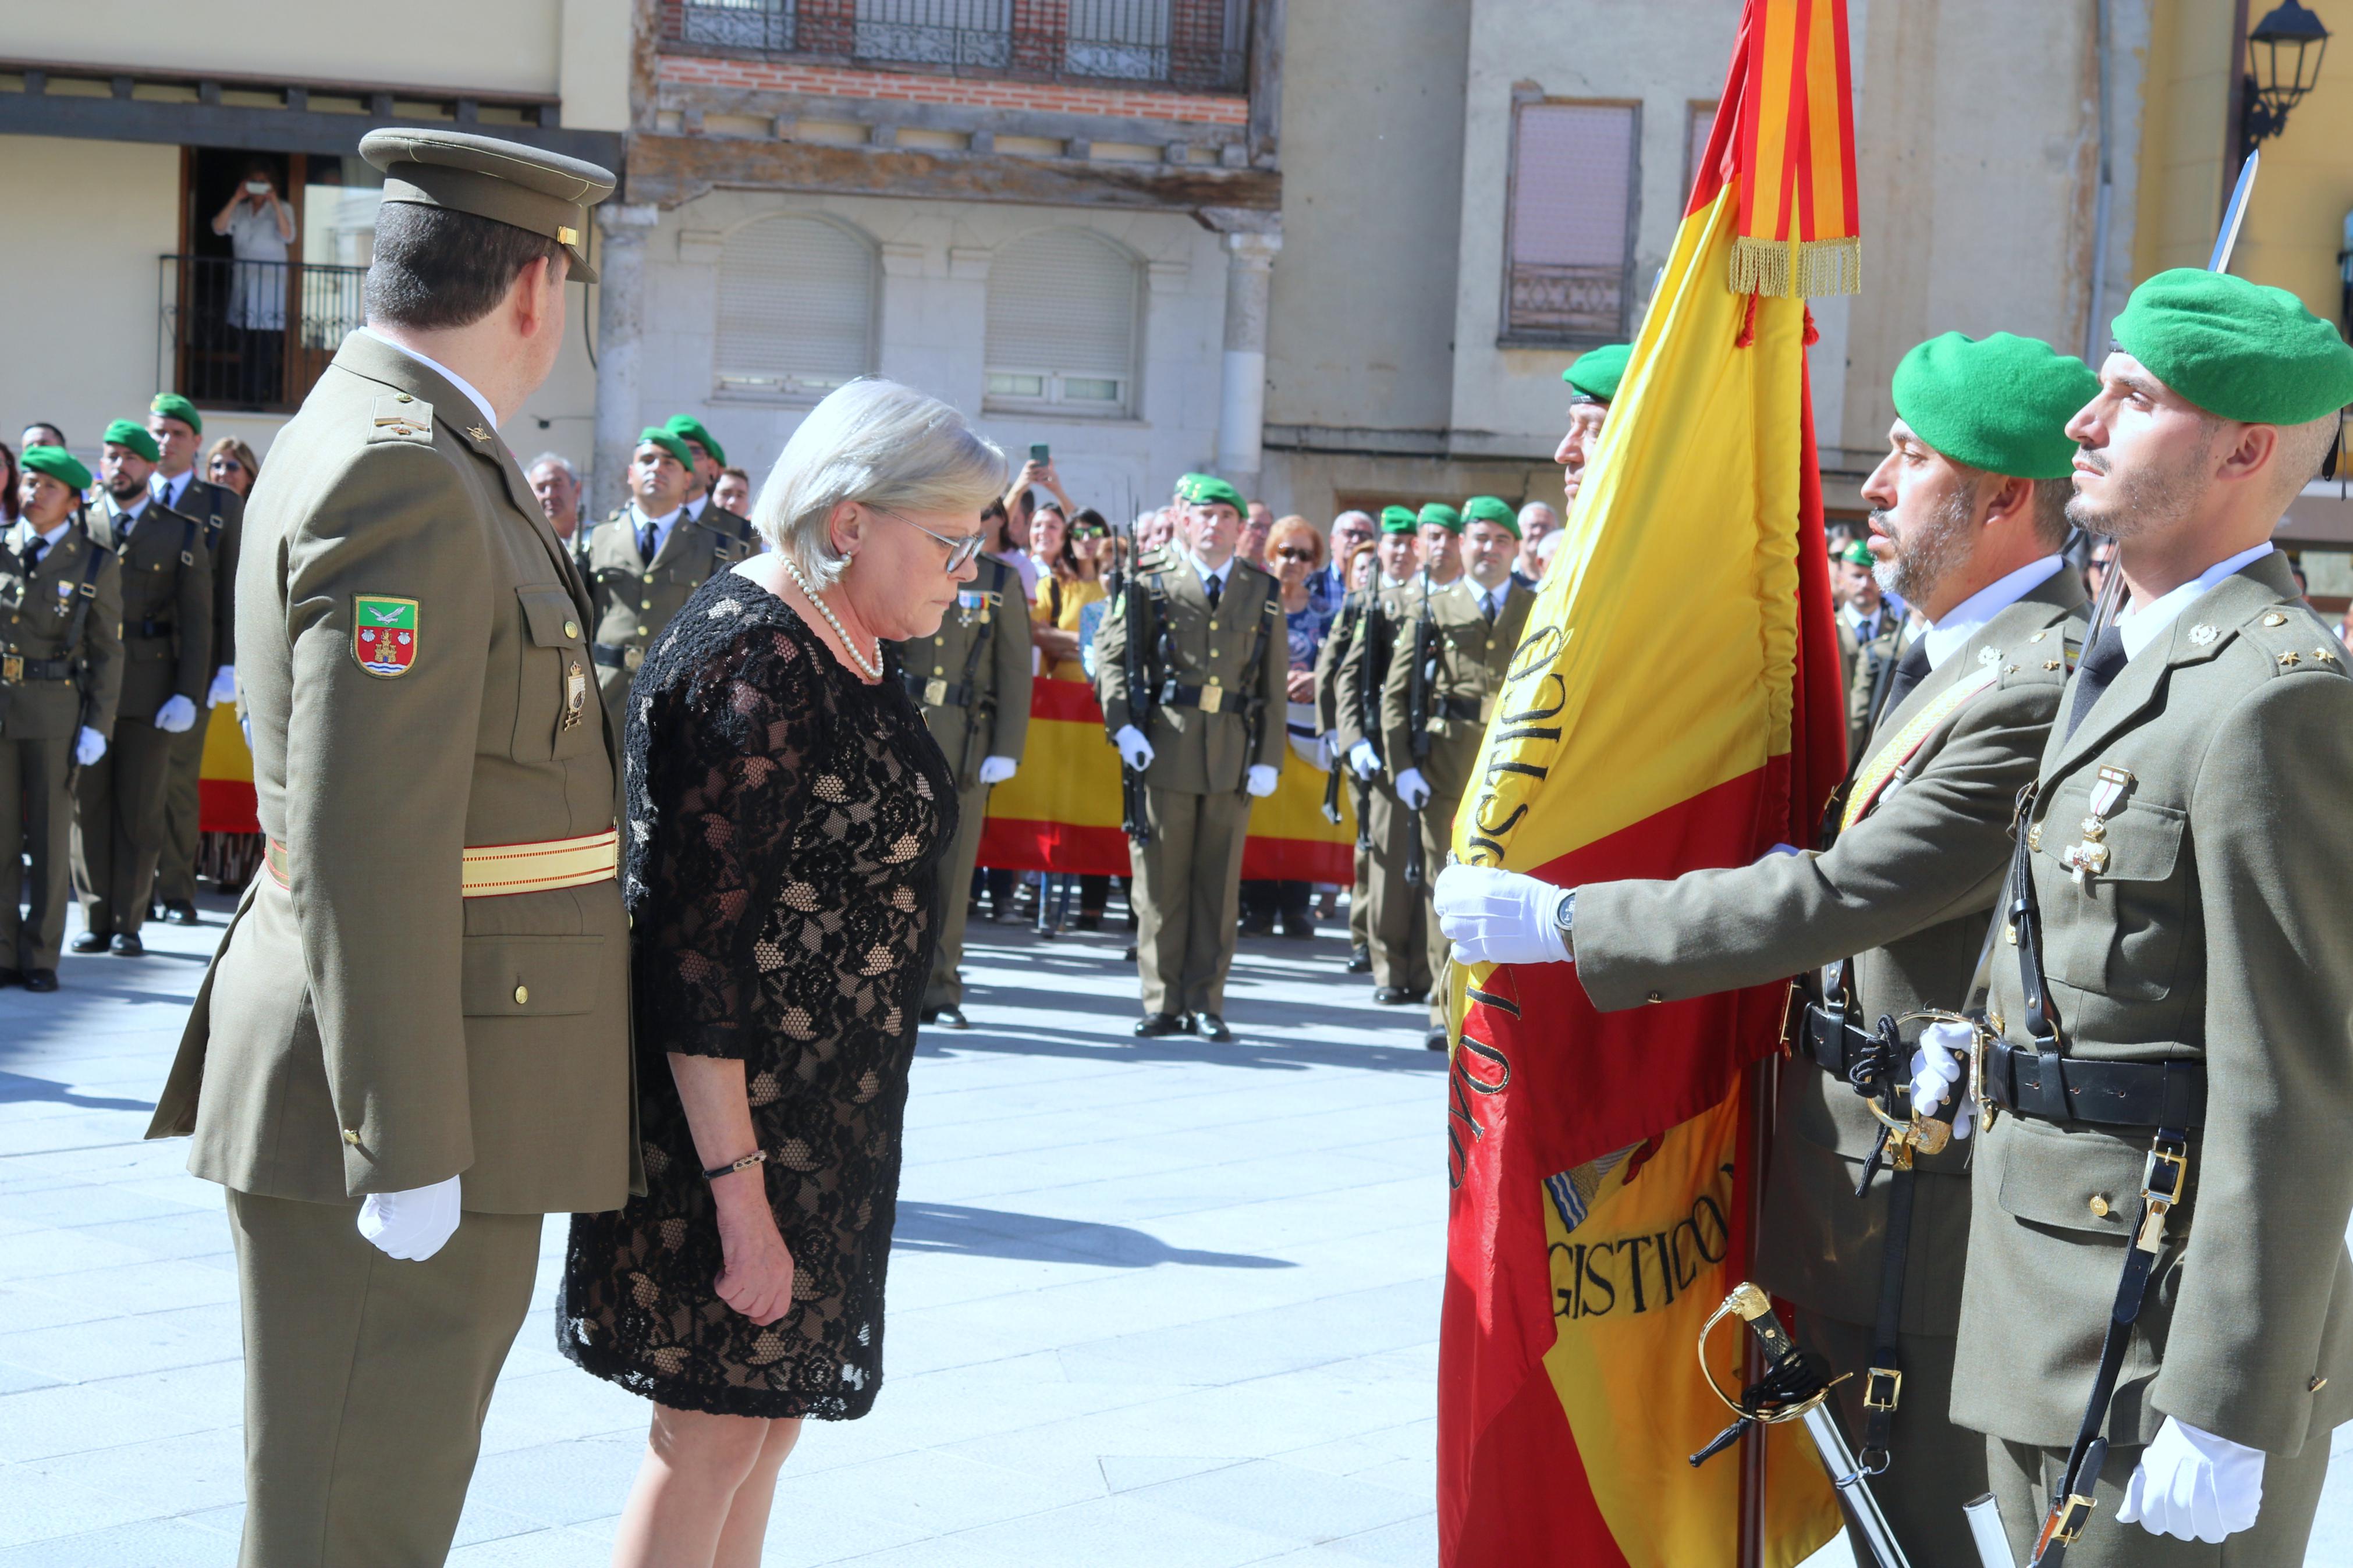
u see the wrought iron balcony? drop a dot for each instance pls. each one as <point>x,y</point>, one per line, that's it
<point>252,335</point>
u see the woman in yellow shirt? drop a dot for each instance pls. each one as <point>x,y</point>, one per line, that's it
<point>1069,579</point>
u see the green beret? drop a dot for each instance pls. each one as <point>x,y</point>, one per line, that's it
<point>1858,554</point>
<point>172,406</point>
<point>1204,489</point>
<point>2240,350</point>
<point>122,433</point>
<point>59,465</point>
<point>1397,520</point>
<point>1598,371</point>
<point>1445,516</point>
<point>2000,402</point>
<point>1489,508</point>
<point>1185,484</point>
<point>691,428</point>
<point>660,435</point>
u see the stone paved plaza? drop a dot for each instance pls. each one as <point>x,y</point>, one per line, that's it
<point>1152,1302</point>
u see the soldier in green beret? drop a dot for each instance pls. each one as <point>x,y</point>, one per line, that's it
<point>177,428</point>
<point>167,641</point>
<point>2161,1184</point>
<point>1592,379</point>
<point>707,459</point>
<point>1209,742</point>
<point>1396,918</point>
<point>1872,635</point>
<point>60,673</point>
<point>646,561</point>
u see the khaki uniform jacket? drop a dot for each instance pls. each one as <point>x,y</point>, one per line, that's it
<point>1345,628</point>
<point>971,678</point>
<point>2217,933</point>
<point>1869,666</point>
<point>1907,892</point>
<point>167,606</point>
<point>222,511</point>
<point>631,599</point>
<point>1240,649</point>
<point>35,619</point>
<point>365,1028</point>
<point>1364,668</point>
<point>713,515</point>
<point>1471,659</point>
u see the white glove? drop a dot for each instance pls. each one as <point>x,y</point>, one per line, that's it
<point>176,717</point>
<point>997,770</point>
<point>2194,1486</point>
<point>1936,1067</point>
<point>1413,789</point>
<point>411,1226</point>
<point>1133,749</point>
<point>1495,916</point>
<point>224,687</point>
<point>1261,782</point>
<point>1365,760</point>
<point>88,746</point>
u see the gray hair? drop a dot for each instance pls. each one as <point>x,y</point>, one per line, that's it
<point>1364,517</point>
<point>1534,507</point>
<point>555,460</point>
<point>879,444</point>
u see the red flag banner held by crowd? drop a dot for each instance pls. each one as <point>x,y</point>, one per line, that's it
<point>1601,1164</point>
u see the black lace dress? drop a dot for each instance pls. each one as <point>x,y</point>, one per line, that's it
<point>785,823</point>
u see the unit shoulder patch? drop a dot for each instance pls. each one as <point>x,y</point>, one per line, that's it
<point>400,418</point>
<point>384,634</point>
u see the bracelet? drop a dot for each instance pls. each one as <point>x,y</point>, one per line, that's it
<point>756,1157</point>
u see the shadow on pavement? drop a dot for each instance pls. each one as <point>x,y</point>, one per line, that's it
<point>16,1087</point>
<point>994,1233</point>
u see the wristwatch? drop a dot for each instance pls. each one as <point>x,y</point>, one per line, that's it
<point>1564,915</point>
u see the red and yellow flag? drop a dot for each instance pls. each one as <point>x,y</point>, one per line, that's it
<point>224,802</point>
<point>1600,1164</point>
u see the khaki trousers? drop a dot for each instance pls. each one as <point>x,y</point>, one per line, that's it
<point>1436,842</point>
<point>36,819</point>
<point>1936,1466</point>
<point>2022,1476</point>
<point>1360,901</point>
<point>945,988</point>
<point>366,1379</point>
<point>119,827</point>
<point>176,872</point>
<point>1395,911</point>
<point>1187,897</point>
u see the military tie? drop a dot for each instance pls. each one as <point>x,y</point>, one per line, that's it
<point>2102,663</point>
<point>1910,671</point>
<point>1487,605</point>
<point>33,553</point>
<point>1214,586</point>
<point>646,543</point>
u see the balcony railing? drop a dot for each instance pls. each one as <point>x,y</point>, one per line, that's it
<point>252,334</point>
<point>1200,46</point>
<point>1556,302</point>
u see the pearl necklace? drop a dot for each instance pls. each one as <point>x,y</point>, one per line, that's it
<point>872,671</point>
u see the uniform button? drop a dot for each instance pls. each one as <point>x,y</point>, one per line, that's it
<point>352,1136</point>
<point>645,604</point>
<point>649,576</point>
<point>939,669</point>
<point>1655,996</point>
<point>2274,619</point>
<point>1213,625</point>
<point>523,995</point>
<point>399,397</point>
<point>571,629</point>
<point>2100,1206</point>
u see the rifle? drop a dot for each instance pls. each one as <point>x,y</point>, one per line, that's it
<point>1352,613</point>
<point>1136,667</point>
<point>1417,719</point>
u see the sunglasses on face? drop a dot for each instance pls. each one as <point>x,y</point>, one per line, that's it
<point>1297,554</point>
<point>1084,531</point>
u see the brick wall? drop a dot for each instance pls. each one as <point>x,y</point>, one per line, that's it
<point>909,86</point>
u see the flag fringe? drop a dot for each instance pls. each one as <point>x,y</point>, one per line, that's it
<point>1797,269</point>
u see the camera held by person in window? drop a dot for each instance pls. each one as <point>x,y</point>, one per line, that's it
<point>260,228</point>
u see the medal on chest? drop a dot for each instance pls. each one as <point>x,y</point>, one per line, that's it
<point>2089,857</point>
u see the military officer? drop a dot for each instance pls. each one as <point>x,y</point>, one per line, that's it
<point>1440,693</point>
<point>414,1039</point>
<point>1395,913</point>
<point>2162,1190</point>
<point>60,672</point>
<point>971,678</point>
<point>167,638</point>
<point>708,460</point>
<point>178,429</point>
<point>646,561</point>
<point>1872,636</point>
<point>1347,621</point>
<point>1593,378</point>
<point>1208,742</point>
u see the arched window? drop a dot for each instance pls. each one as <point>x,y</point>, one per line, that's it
<point>1062,325</point>
<point>795,308</point>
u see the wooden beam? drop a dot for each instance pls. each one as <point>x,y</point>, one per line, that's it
<point>243,80</point>
<point>215,125</point>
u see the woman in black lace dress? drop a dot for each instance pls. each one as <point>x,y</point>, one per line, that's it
<point>787,809</point>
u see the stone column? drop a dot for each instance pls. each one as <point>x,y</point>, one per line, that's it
<point>620,320</point>
<point>1241,401</point>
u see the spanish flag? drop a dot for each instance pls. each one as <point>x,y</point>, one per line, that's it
<point>1601,1164</point>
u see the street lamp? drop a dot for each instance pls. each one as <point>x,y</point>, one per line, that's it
<point>2284,55</point>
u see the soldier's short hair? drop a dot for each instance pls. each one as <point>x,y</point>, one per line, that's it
<point>437,268</point>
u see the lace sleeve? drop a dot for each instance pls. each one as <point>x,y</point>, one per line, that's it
<point>725,746</point>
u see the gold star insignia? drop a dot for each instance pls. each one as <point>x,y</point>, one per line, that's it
<point>2289,657</point>
<point>477,432</point>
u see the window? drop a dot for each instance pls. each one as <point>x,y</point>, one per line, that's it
<point>1700,124</point>
<point>1193,42</point>
<point>740,24</point>
<point>937,32</point>
<point>1061,325</point>
<point>795,308</point>
<point>1569,235</point>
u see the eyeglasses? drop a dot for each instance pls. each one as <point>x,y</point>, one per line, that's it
<point>962,547</point>
<point>1297,554</point>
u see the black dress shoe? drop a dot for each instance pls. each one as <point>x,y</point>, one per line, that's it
<point>1435,1040</point>
<point>1213,1028</point>
<point>953,1018</point>
<point>125,945</point>
<point>1395,995</point>
<point>1131,952</point>
<point>179,912</point>
<point>1151,1025</point>
<point>40,980</point>
<point>927,1014</point>
<point>1360,960</point>
<point>88,942</point>
<point>1088,922</point>
<point>12,977</point>
<point>1257,928</point>
<point>1299,930</point>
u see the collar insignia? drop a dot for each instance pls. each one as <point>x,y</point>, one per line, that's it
<point>2201,633</point>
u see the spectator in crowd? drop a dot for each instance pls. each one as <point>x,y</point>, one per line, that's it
<point>259,226</point>
<point>9,507</point>
<point>1006,521</point>
<point>2095,569</point>
<point>1538,522</point>
<point>1070,577</point>
<point>232,465</point>
<point>1258,522</point>
<point>733,492</point>
<point>556,483</point>
<point>1295,554</point>
<point>40,434</point>
<point>1546,550</point>
<point>1329,586</point>
<point>1154,529</point>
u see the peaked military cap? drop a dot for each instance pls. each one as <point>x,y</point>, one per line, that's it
<point>1596,372</point>
<point>172,406</point>
<point>668,441</point>
<point>691,428</point>
<point>59,465</point>
<point>123,433</point>
<point>2242,349</point>
<point>1445,516</point>
<point>1397,520</point>
<point>2000,402</point>
<point>506,182</point>
<point>1491,508</point>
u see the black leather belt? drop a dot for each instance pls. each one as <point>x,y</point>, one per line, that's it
<point>617,656</point>
<point>1834,1044</point>
<point>1207,699</point>
<point>933,693</point>
<point>13,670</point>
<point>2052,1088</point>
<point>149,628</point>
<point>1466,708</point>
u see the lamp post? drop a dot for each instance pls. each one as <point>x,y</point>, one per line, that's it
<point>2284,55</point>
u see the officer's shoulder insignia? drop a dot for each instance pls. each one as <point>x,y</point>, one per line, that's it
<point>384,634</point>
<point>2293,640</point>
<point>401,417</point>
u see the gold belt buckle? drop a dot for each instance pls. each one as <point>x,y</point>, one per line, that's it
<point>1213,700</point>
<point>1881,1388</point>
<point>12,668</point>
<point>632,656</point>
<point>2072,1517</point>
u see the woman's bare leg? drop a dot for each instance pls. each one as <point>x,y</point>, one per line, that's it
<point>747,1520</point>
<point>685,1490</point>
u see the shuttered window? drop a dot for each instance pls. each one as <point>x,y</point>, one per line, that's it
<point>795,308</point>
<point>1569,238</point>
<point>1062,325</point>
<point>1701,126</point>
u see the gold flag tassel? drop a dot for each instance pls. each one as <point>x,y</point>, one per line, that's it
<point>1797,269</point>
